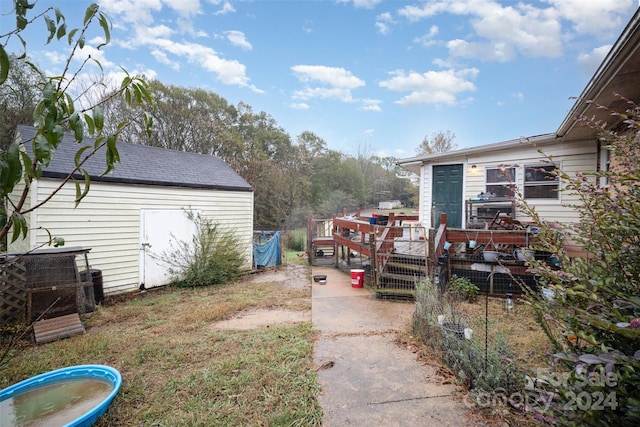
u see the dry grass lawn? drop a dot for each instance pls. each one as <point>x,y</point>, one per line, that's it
<point>520,330</point>
<point>177,370</point>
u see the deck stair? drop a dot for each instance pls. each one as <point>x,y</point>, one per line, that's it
<point>400,274</point>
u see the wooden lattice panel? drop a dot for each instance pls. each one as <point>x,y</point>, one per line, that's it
<point>13,294</point>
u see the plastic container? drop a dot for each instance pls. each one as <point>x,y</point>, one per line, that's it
<point>491,256</point>
<point>357,278</point>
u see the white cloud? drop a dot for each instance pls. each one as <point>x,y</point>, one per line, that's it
<point>427,39</point>
<point>499,30</point>
<point>335,83</point>
<point>184,8</point>
<point>418,13</point>
<point>368,132</point>
<point>299,106</point>
<point>138,15</point>
<point>371,105</point>
<point>55,57</point>
<point>308,26</point>
<point>519,96</point>
<point>150,33</point>
<point>132,11</point>
<point>361,4</point>
<point>382,28</point>
<point>162,58</point>
<point>90,51</point>
<point>589,62</point>
<point>431,87</point>
<point>503,30</point>
<point>226,8</point>
<point>230,72</point>
<point>237,38</point>
<point>382,23</point>
<point>595,17</point>
<point>501,52</point>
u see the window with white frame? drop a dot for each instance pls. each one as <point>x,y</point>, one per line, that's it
<point>500,181</point>
<point>541,181</point>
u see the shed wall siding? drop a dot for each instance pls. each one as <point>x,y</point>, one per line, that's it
<point>108,222</point>
<point>21,245</point>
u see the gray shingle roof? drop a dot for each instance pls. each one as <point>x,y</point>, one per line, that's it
<point>141,164</point>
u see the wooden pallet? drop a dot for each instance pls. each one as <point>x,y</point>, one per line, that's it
<point>58,328</point>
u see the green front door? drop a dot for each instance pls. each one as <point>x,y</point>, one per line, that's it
<point>447,194</point>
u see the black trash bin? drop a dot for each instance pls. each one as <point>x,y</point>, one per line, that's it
<point>96,280</point>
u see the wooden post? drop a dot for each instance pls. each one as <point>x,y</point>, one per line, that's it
<point>374,261</point>
<point>310,240</point>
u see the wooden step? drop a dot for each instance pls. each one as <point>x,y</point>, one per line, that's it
<point>58,328</point>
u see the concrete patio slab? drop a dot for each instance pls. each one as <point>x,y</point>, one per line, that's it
<point>367,379</point>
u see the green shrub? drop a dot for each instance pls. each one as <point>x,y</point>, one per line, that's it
<point>591,311</point>
<point>463,288</point>
<point>213,256</point>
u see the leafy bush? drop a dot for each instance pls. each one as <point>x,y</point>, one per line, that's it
<point>591,312</point>
<point>213,256</point>
<point>463,288</point>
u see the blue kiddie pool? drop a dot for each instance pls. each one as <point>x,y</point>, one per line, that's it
<point>74,396</point>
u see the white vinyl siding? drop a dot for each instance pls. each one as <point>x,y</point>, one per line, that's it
<point>576,156</point>
<point>108,222</point>
<point>425,195</point>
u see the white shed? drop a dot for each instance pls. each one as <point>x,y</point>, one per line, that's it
<point>390,204</point>
<point>132,215</point>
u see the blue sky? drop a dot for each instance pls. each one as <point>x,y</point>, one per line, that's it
<point>369,75</point>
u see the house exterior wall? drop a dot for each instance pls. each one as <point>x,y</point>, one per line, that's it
<point>425,196</point>
<point>108,221</point>
<point>572,157</point>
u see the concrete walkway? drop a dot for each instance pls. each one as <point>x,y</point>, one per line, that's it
<point>366,379</point>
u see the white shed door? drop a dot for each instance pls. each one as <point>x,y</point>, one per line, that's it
<point>159,232</point>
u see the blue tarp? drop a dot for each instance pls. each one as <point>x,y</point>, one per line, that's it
<point>267,254</point>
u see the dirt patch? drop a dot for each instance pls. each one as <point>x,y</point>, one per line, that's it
<point>293,276</point>
<point>263,318</point>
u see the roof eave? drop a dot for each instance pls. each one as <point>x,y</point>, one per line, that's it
<point>606,72</point>
<point>538,140</point>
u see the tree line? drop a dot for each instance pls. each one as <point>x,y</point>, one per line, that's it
<point>292,178</point>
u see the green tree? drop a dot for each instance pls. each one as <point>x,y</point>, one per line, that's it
<point>18,97</point>
<point>56,111</point>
